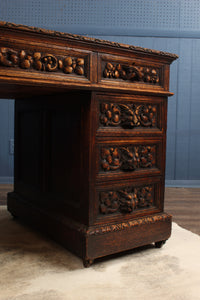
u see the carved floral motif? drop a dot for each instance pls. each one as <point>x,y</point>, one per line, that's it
<point>132,73</point>
<point>128,115</point>
<point>126,200</point>
<point>41,61</point>
<point>128,158</point>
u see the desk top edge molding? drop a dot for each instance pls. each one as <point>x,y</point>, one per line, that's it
<point>85,39</point>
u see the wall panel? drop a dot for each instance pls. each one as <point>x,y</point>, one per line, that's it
<point>194,129</point>
<point>6,133</point>
<point>184,110</point>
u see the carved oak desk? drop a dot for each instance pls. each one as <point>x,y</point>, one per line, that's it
<point>90,138</point>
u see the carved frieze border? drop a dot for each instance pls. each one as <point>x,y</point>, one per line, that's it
<point>39,61</point>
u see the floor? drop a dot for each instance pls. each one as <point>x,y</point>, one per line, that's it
<point>33,267</point>
<point>4,189</point>
<point>182,203</point>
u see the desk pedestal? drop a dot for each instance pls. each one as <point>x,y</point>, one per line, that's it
<point>94,187</point>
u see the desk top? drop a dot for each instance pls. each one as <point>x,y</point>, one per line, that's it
<point>35,60</point>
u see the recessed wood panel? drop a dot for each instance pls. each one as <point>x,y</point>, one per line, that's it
<point>64,158</point>
<point>29,151</point>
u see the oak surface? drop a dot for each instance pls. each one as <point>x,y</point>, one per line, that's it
<point>90,138</point>
<point>182,203</point>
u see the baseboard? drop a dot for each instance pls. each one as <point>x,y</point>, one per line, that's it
<point>6,180</point>
<point>183,183</point>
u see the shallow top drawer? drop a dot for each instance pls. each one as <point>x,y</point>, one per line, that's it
<point>132,72</point>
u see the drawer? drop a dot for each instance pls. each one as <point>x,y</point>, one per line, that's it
<point>128,158</point>
<point>130,115</point>
<point>120,201</point>
<point>45,62</point>
<point>131,72</point>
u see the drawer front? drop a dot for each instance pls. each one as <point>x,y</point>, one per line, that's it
<point>130,115</point>
<point>129,151</point>
<point>131,72</point>
<point>128,158</point>
<point>46,62</point>
<point>129,199</point>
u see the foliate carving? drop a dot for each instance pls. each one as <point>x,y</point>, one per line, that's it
<point>128,115</point>
<point>110,114</point>
<point>132,73</point>
<point>128,158</point>
<point>41,61</point>
<point>126,200</point>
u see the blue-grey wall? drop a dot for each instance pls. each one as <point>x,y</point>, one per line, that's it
<point>167,25</point>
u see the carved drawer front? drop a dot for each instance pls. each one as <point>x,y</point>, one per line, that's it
<point>128,158</point>
<point>45,62</point>
<point>131,72</point>
<point>128,200</point>
<point>131,115</point>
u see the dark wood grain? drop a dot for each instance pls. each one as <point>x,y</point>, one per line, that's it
<point>90,137</point>
<point>182,203</point>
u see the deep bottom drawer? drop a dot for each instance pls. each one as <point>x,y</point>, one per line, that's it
<point>122,200</point>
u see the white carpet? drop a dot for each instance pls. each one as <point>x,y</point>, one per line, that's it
<point>34,268</point>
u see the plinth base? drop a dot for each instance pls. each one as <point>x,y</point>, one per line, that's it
<point>91,242</point>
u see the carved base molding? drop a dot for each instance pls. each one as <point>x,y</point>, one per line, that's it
<point>148,220</point>
<point>90,239</point>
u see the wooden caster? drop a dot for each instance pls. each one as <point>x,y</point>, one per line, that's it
<point>13,216</point>
<point>160,244</point>
<point>87,262</point>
